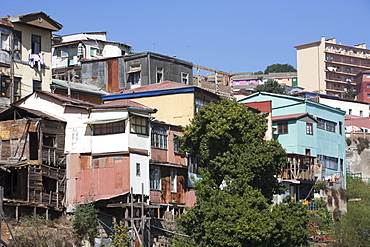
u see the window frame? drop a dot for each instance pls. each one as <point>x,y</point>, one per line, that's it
<point>35,44</point>
<point>283,128</point>
<point>135,127</point>
<point>159,75</point>
<point>159,137</point>
<point>36,85</point>
<point>309,128</point>
<point>184,78</point>
<point>138,169</point>
<point>173,180</point>
<point>109,128</point>
<point>155,182</point>
<point>17,45</point>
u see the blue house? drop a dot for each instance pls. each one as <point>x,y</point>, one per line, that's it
<point>313,136</point>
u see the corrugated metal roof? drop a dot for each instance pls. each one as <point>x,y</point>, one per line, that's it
<point>6,22</point>
<point>67,100</point>
<point>79,87</point>
<point>124,104</point>
<point>292,117</point>
<point>156,86</point>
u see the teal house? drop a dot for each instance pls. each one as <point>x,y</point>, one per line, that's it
<point>313,136</point>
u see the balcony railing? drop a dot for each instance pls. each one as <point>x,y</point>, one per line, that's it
<point>297,174</point>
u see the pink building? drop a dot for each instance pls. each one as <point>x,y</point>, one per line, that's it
<point>362,80</point>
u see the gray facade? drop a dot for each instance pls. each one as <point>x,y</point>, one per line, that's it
<point>135,70</point>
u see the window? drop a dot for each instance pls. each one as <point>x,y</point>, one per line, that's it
<point>4,41</point>
<point>49,140</point>
<point>134,78</point>
<point>321,123</point>
<point>4,48</point>
<point>330,126</point>
<point>173,177</point>
<point>109,128</point>
<point>360,113</point>
<point>17,45</point>
<point>62,52</point>
<point>17,93</point>
<point>99,162</point>
<point>36,85</point>
<point>368,95</point>
<point>283,128</point>
<point>328,162</point>
<point>176,143</point>
<point>199,103</point>
<point>95,52</point>
<point>159,75</point>
<point>36,44</point>
<point>309,128</point>
<point>139,125</point>
<point>155,178</point>
<point>184,78</point>
<point>340,128</point>
<point>350,111</point>
<point>159,137</point>
<point>5,86</point>
<point>138,170</point>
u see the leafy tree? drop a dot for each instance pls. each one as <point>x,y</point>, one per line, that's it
<point>279,68</point>
<point>258,73</point>
<point>230,140</point>
<point>84,221</point>
<point>353,229</point>
<point>350,94</point>
<point>238,169</point>
<point>121,237</point>
<point>271,86</point>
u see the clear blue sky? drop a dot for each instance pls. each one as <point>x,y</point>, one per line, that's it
<point>232,36</point>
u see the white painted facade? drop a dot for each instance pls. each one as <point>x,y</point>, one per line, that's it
<point>80,138</point>
<point>93,45</point>
<point>356,108</point>
<point>143,177</point>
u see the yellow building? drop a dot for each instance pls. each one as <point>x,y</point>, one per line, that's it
<point>25,55</point>
<point>329,68</point>
<point>176,103</point>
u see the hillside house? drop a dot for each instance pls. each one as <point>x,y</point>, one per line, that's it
<point>25,55</point>
<point>32,161</point>
<point>313,136</point>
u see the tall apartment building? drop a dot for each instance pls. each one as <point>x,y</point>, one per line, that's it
<point>330,68</point>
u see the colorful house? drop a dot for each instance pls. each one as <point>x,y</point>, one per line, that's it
<point>313,137</point>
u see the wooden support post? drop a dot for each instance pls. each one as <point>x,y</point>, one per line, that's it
<point>47,214</point>
<point>142,214</point>
<point>1,208</point>
<point>17,213</point>
<point>132,219</point>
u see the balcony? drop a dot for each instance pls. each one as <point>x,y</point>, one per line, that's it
<point>359,63</point>
<point>299,167</point>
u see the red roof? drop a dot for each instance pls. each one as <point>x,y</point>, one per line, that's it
<point>262,106</point>
<point>6,22</point>
<point>156,86</point>
<point>359,122</point>
<point>67,99</point>
<point>291,117</point>
<point>124,103</point>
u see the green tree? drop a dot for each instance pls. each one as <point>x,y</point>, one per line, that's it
<point>238,169</point>
<point>353,229</point>
<point>271,86</point>
<point>121,237</point>
<point>84,221</point>
<point>279,68</point>
<point>350,94</point>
